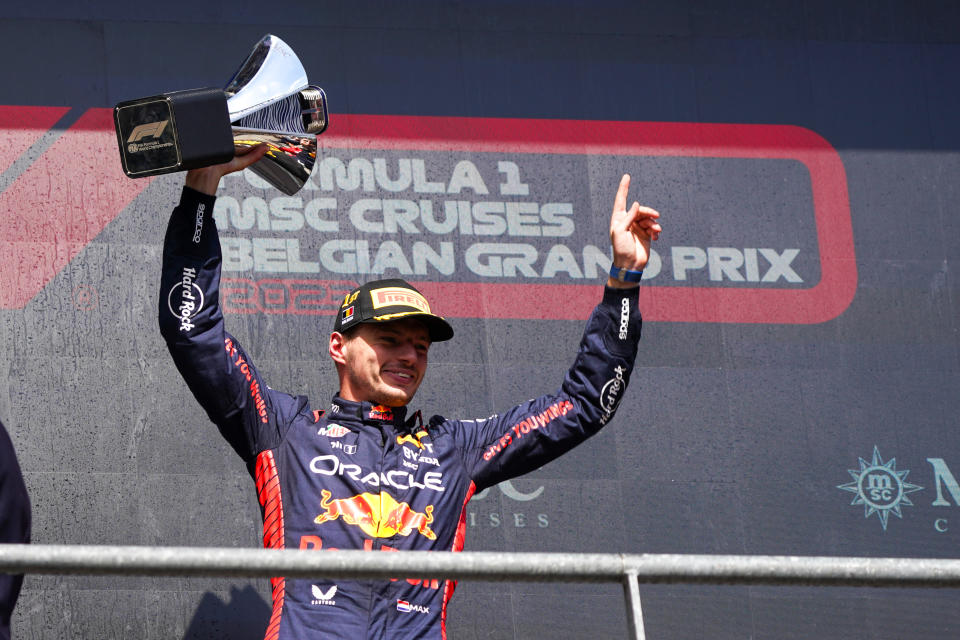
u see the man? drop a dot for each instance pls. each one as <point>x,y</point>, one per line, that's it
<point>14,525</point>
<point>365,474</point>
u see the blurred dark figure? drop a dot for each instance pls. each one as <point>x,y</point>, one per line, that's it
<point>14,524</point>
<point>243,617</point>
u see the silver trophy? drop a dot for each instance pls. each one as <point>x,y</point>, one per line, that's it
<point>268,100</point>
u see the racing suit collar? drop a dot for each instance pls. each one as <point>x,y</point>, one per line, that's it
<point>369,413</point>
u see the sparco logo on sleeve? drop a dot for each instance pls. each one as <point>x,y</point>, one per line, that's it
<point>198,225</point>
<point>624,317</point>
<point>190,299</point>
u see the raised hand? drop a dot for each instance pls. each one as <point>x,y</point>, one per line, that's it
<point>631,232</point>
<point>207,179</point>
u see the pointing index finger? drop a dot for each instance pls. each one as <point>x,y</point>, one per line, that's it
<point>620,202</point>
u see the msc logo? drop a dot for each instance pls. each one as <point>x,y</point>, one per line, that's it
<point>880,488</point>
<point>149,130</point>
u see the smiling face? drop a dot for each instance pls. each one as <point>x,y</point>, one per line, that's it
<point>382,363</point>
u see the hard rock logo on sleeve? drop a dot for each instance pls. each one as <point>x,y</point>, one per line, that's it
<point>185,299</point>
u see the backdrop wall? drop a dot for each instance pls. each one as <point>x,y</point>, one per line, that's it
<point>796,391</point>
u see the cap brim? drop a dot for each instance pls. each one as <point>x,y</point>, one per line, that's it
<point>438,328</point>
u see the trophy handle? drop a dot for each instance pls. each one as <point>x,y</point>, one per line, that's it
<point>289,128</point>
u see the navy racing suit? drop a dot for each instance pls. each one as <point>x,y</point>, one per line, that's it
<point>359,476</point>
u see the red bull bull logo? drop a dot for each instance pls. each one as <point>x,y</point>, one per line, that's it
<point>380,412</point>
<point>414,439</point>
<point>378,515</point>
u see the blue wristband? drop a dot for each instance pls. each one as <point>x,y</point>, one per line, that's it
<point>625,275</point>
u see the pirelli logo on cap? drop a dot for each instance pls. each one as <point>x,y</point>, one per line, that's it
<point>392,296</point>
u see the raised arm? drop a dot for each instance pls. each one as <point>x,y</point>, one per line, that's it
<point>213,364</point>
<point>537,431</point>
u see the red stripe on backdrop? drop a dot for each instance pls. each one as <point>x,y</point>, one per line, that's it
<point>77,187</point>
<point>60,204</point>
<point>829,298</point>
<point>20,127</point>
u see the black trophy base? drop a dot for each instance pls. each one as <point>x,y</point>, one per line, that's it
<point>174,131</point>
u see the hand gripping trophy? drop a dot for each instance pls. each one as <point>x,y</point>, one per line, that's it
<point>268,100</point>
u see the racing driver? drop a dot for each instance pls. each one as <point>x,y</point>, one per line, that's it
<point>364,472</point>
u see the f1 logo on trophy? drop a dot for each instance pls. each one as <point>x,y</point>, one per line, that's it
<point>268,100</point>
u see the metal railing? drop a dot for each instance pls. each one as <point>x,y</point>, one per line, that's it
<point>627,569</point>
